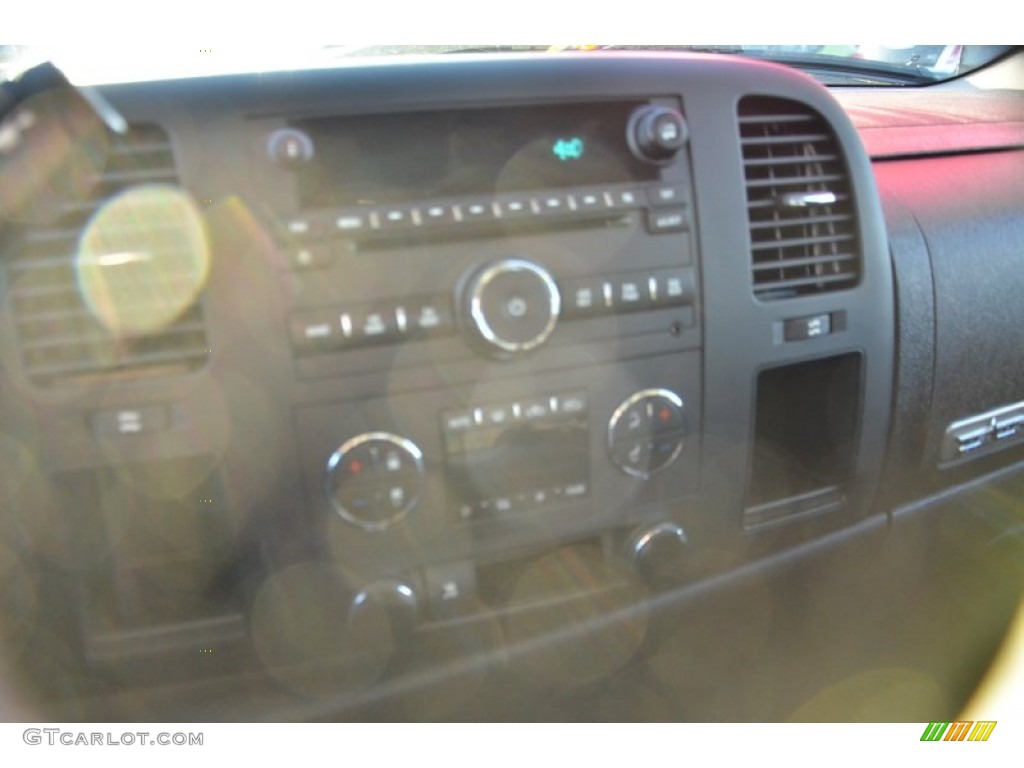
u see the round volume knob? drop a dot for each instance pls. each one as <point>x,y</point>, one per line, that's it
<point>659,554</point>
<point>656,133</point>
<point>511,306</point>
<point>290,147</point>
<point>375,479</point>
<point>395,598</point>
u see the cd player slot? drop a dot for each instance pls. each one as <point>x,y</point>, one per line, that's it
<point>384,240</point>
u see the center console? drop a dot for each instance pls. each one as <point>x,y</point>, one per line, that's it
<point>625,332</point>
<point>534,271</point>
<point>481,357</point>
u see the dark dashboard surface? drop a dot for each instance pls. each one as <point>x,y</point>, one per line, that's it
<point>612,387</point>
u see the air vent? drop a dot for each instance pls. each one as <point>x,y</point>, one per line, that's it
<point>803,226</point>
<point>78,317</point>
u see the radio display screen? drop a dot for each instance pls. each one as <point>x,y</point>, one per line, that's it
<point>395,158</point>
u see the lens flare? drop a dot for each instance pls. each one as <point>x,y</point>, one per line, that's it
<point>302,635</point>
<point>886,694</point>
<point>574,619</point>
<point>143,259</point>
<point>19,604</point>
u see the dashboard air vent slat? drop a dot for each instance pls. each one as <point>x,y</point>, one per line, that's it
<point>784,160</point>
<point>65,338</point>
<point>769,141</point>
<point>793,242</point>
<point>813,260</point>
<point>779,181</point>
<point>803,225</point>
<point>96,336</point>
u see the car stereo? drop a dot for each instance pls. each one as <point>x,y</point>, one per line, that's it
<point>513,299</point>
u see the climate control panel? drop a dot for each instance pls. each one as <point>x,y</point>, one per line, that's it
<point>472,472</point>
<point>504,459</point>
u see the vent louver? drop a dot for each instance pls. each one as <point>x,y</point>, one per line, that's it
<point>64,339</point>
<point>803,225</point>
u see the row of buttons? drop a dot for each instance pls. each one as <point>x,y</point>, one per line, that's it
<point>628,292</point>
<point>668,202</point>
<point>327,329</point>
<point>315,255</point>
<point>998,427</point>
<point>528,410</point>
<point>521,502</point>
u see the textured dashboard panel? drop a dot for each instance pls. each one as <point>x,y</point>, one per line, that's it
<point>956,117</point>
<point>968,209</point>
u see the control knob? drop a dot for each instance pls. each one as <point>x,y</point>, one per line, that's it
<point>656,134</point>
<point>320,634</point>
<point>659,554</point>
<point>375,479</point>
<point>646,432</point>
<point>290,147</point>
<point>510,306</point>
<point>395,599</point>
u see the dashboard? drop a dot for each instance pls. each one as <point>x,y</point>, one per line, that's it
<point>611,386</point>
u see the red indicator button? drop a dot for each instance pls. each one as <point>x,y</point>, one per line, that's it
<point>355,466</point>
<point>664,414</point>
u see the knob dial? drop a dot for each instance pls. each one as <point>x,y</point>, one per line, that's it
<point>511,306</point>
<point>656,134</point>
<point>646,432</point>
<point>659,554</point>
<point>321,635</point>
<point>375,479</point>
<point>290,147</point>
<point>395,598</point>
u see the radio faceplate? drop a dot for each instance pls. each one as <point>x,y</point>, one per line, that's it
<point>501,231</point>
<point>354,294</point>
